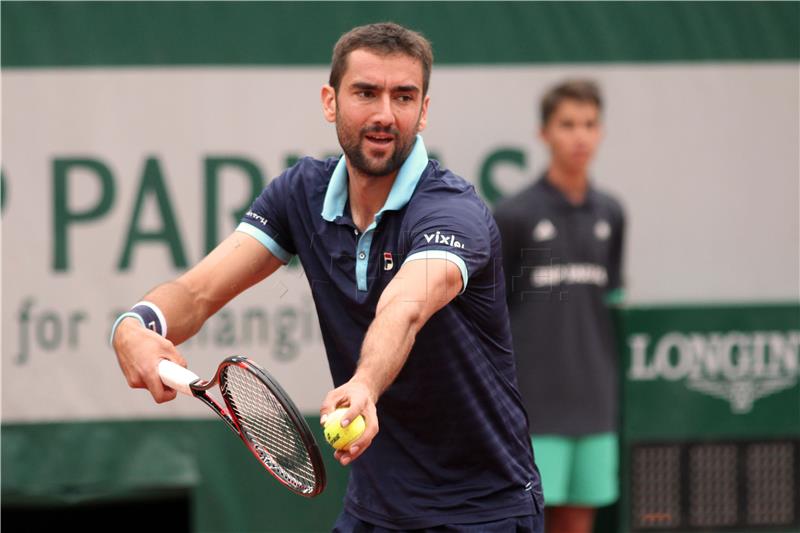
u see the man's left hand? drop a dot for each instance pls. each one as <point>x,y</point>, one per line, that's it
<point>357,397</point>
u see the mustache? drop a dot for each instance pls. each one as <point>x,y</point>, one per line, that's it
<point>380,129</point>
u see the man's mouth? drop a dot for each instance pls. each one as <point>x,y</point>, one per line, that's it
<point>381,139</point>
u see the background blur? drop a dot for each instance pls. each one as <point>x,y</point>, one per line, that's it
<point>135,134</point>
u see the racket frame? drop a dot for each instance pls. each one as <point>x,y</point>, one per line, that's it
<point>200,390</point>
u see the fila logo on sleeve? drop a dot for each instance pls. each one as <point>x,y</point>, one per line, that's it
<point>438,238</point>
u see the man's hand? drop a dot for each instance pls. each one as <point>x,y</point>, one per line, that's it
<point>418,290</point>
<point>237,263</point>
<point>360,400</point>
<point>139,351</point>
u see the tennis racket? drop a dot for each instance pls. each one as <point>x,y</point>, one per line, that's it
<point>260,412</point>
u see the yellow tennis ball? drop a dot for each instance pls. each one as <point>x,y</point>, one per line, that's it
<point>339,437</point>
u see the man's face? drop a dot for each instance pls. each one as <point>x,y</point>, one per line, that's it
<point>378,109</point>
<point>573,134</point>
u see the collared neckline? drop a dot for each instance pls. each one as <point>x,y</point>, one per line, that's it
<point>403,187</point>
<point>560,198</point>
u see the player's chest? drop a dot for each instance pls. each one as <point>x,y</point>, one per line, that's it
<point>356,262</point>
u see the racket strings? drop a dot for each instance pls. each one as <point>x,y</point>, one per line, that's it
<point>267,426</point>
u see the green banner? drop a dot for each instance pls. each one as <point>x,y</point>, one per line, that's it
<point>283,33</point>
<point>707,372</point>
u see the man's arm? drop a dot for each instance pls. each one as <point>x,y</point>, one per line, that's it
<point>419,290</point>
<point>236,264</point>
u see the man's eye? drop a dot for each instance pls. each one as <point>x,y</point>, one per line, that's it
<point>365,94</point>
<point>405,97</point>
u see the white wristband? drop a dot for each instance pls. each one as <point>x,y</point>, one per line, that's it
<point>161,327</point>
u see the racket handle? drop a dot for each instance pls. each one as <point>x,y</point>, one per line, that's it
<point>176,377</point>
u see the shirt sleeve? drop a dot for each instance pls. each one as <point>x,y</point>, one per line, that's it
<point>267,219</point>
<point>456,231</point>
<point>615,267</point>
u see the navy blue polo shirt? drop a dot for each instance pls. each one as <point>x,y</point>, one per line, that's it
<point>453,445</point>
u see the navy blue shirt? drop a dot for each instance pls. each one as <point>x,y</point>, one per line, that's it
<point>453,445</point>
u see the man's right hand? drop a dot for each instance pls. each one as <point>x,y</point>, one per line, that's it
<point>139,351</point>
<point>238,262</point>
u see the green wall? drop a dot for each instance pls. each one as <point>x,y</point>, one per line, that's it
<point>266,33</point>
<point>81,463</point>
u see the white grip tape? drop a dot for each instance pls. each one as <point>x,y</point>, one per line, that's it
<point>176,377</point>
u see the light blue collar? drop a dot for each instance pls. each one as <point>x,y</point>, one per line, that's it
<point>402,188</point>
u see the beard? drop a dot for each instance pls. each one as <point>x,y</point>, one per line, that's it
<point>352,145</point>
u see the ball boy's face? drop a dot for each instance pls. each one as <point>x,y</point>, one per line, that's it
<point>573,134</point>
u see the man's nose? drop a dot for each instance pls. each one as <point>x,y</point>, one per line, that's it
<point>582,134</point>
<point>384,116</point>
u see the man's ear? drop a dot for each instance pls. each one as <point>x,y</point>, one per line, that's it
<point>423,113</point>
<point>328,95</point>
<point>543,135</point>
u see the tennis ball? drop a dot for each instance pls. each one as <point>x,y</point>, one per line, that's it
<point>339,437</point>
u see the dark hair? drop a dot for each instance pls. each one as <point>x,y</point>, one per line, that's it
<point>383,38</point>
<point>580,90</point>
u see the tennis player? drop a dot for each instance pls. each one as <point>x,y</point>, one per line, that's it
<point>403,260</point>
<point>562,242</point>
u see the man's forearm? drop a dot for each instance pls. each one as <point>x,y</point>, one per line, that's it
<point>184,311</point>
<point>386,346</point>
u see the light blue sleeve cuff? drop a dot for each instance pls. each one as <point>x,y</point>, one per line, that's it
<point>268,242</point>
<point>447,256</point>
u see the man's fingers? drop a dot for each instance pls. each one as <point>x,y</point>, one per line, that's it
<point>363,442</point>
<point>167,396</point>
<point>352,453</point>
<point>172,353</point>
<point>158,391</point>
<point>352,412</point>
<point>134,381</point>
<point>360,445</point>
<point>329,404</point>
<point>166,350</point>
